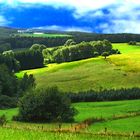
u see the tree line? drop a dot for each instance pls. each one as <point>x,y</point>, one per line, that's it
<point>13,42</point>
<point>70,51</point>
<point>74,52</point>
<point>105,95</point>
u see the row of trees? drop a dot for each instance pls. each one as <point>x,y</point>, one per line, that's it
<point>26,42</point>
<point>79,51</point>
<point>105,95</point>
<point>114,38</point>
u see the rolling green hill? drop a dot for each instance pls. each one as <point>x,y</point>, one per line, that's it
<point>117,71</point>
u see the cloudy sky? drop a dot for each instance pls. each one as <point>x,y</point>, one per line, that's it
<point>101,16</point>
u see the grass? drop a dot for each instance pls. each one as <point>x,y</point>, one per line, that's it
<point>116,72</point>
<point>86,110</point>
<point>11,134</point>
<point>122,125</point>
<point>43,35</point>
<point>9,113</point>
<point>105,109</point>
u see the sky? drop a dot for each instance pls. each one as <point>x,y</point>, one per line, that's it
<point>100,16</point>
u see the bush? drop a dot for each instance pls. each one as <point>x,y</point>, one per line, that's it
<point>132,43</point>
<point>45,105</point>
<point>3,120</point>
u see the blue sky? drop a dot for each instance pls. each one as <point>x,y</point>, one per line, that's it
<point>101,16</point>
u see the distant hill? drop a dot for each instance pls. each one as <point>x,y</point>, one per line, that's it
<point>23,41</point>
<point>6,32</point>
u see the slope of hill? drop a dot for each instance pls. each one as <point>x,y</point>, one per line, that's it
<point>116,72</point>
<point>5,32</point>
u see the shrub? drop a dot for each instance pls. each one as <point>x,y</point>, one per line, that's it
<point>3,120</point>
<point>132,43</point>
<point>45,105</point>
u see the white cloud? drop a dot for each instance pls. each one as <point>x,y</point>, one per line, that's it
<point>65,28</point>
<point>3,21</point>
<point>81,6</point>
<point>119,26</point>
<point>123,15</point>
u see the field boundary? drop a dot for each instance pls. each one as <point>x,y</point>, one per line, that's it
<point>80,127</point>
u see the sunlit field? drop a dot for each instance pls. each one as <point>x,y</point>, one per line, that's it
<point>122,70</point>
<point>125,125</point>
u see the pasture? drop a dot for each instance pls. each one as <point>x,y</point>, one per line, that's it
<point>43,35</point>
<point>125,125</point>
<point>118,71</point>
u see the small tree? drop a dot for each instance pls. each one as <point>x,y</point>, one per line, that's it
<point>3,120</point>
<point>27,82</point>
<point>132,43</point>
<point>105,54</point>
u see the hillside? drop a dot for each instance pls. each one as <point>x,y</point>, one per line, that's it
<point>116,72</point>
<point>5,32</point>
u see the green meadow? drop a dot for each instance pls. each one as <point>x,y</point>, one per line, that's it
<point>122,70</point>
<point>33,131</point>
<point>43,35</point>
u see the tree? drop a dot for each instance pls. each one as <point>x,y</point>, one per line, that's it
<point>38,47</point>
<point>3,120</point>
<point>8,58</point>
<point>69,42</point>
<point>8,82</point>
<point>105,54</point>
<point>27,82</point>
<point>45,105</point>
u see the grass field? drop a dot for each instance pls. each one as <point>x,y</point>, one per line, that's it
<point>116,72</point>
<point>43,35</point>
<point>86,110</point>
<point>11,134</point>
